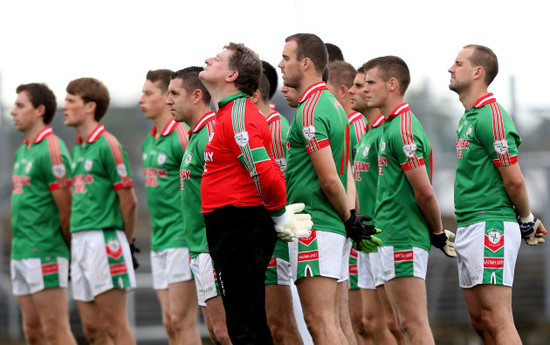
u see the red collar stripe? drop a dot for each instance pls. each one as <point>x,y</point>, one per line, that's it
<point>489,98</point>
<point>273,117</point>
<point>204,119</point>
<point>182,134</point>
<point>312,89</point>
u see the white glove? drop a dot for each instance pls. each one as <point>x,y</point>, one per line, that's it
<point>532,229</point>
<point>292,225</point>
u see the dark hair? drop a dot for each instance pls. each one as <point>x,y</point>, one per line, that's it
<point>161,75</point>
<point>264,89</point>
<point>40,94</point>
<point>391,67</point>
<point>486,58</point>
<point>341,73</point>
<point>312,47</point>
<point>334,52</point>
<point>271,74</point>
<point>248,66</point>
<point>91,90</point>
<point>190,80</point>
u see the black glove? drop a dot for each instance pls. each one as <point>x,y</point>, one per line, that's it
<point>356,229</point>
<point>134,249</point>
<point>444,242</point>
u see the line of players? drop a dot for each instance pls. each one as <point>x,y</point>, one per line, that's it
<point>217,261</point>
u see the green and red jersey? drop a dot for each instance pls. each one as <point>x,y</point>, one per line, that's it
<point>486,139</point>
<point>320,122</point>
<point>365,168</point>
<point>191,169</point>
<point>357,128</point>
<point>38,169</point>
<point>161,162</point>
<point>239,170</point>
<point>100,168</point>
<point>404,145</point>
<point>279,130</point>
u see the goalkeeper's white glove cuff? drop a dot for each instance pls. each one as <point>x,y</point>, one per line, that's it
<point>529,219</point>
<point>280,220</point>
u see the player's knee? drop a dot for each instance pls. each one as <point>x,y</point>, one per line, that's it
<point>33,332</point>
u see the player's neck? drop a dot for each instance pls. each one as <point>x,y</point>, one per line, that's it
<point>223,91</point>
<point>265,109</point>
<point>306,82</point>
<point>33,132</point>
<point>161,121</point>
<point>86,128</point>
<point>371,114</point>
<point>470,96</point>
<point>388,108</point>
<point>198,113</point>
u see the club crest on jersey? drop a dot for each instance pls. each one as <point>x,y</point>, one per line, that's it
<point>366,151</point>
<point>501,146</point>
<point>242,138</point>
<point>16,165</point>
<point>161,158</point>
<point>58,170</point>
<point>382,146</point>
<point>410,150</point>
<point>468,131</point>
<point>28,167</point>
<point>144,156</point>
<point>188,158</point>
<point>309,132</point>
<point>88,165</point>
<point>121,170</point>
<point>113,248</point>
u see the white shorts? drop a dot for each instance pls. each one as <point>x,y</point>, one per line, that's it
<point>345,262</point>
<point>172,265</point>
<point>370,272</point>
<point>410,262</point>
<point>100,261</point>
<point>205,278</point>
<point>487,253</point>
<point>278,272</point>
<point>29,276</point>
<point>323,253</point>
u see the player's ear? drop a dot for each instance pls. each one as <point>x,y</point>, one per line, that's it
<point>479,72</point>
<point>232,76</point>
<point>393,84</point>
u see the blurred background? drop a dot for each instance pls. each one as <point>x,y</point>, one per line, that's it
<point>119,41</point>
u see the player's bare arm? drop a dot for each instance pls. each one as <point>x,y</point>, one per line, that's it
<point>425,197</point>
<point>63,199</point>
<point>331,185</point>
<point>514,183</point>
<point>128,209</point>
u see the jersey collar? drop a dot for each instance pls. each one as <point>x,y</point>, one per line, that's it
<point>399,110</point>
<point>97,132</point>
<point>40,136</point>
<point>167,129</point>
<point>482,101</point>
<point>209,116</point>
<point>320,86</point>
<point>354,116</point>
<point>229,99</point>
<point>379,120</point>
<point>274,116</point>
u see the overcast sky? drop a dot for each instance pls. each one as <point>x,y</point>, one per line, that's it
<point>118,41</point>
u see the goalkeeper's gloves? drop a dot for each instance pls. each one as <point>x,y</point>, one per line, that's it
<point>293,225</point>
<point>368,245</point>
<point>134,249</point>
<point>356,229</point>
<point>443,242</point>
<point>532,229</point>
